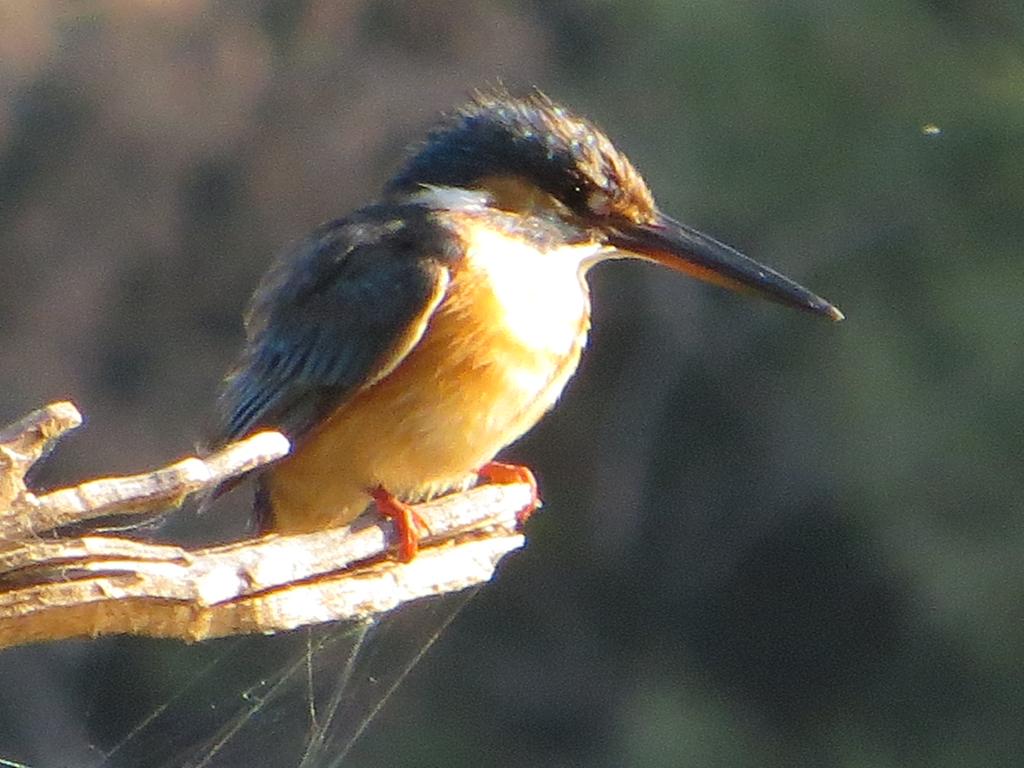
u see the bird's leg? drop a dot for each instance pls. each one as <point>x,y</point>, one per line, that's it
<point>505,474</point>
<point>409,524</point>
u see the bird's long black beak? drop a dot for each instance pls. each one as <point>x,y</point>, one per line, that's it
<point>686,250</point>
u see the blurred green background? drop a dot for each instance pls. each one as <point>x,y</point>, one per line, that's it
<point>767,540</point>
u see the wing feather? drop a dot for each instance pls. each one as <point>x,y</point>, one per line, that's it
<point>336,314</point>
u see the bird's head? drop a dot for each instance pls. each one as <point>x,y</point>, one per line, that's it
<point>534,157</point>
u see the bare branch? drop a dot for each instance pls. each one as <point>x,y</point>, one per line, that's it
<point>22,513</point>
<point>93,585</point>
<point>142,494</point>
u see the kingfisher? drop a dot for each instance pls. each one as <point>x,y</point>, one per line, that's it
<point>401,347</point>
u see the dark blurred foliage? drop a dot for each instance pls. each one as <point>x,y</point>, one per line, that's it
<point>767,540</point>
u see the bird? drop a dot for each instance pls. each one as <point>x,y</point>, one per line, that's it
<point>400,348</point>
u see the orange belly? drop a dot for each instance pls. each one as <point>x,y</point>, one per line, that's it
<point>466,390</point>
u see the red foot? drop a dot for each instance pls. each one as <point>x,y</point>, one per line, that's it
<point>409,524</point>
<point>506,474</point>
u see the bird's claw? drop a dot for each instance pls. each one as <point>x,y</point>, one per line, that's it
<point>410,526</point>
<point>507,474</point>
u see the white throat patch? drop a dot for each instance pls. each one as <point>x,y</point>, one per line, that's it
<point>543,295</point>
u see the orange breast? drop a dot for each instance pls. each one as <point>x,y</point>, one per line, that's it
<point>482,375</point>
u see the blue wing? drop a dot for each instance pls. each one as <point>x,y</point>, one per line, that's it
<point>335,314</point>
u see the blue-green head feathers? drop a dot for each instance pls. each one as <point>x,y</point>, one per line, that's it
<point>532,139</point>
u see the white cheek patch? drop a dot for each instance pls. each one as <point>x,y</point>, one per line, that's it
<point>450,198</point>
<point>542,296</point>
